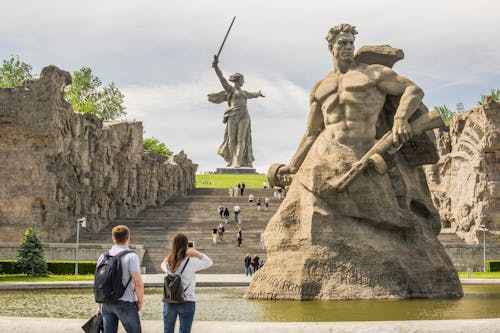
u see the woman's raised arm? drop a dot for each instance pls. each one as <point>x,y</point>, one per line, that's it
<point>222,79</point>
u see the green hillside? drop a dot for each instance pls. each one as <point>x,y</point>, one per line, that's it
<point>227,181</point>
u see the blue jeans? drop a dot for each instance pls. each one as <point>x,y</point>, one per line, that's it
<point>236,216</point>
<point>126,312</point>
<point>186,314</point>
<point>248,271</point>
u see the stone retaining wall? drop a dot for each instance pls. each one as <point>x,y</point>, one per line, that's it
<point>57,165</point>
<point>466,256</point>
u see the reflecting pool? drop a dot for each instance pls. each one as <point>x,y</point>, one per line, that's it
<point>227,304</point>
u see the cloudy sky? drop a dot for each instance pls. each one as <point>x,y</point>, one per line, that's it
<point>159,55</point>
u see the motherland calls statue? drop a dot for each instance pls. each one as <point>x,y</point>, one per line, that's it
<point>358,221</point>
<point>236,149</point>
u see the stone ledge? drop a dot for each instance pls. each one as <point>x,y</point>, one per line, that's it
<point>63,325</point>
<point>242,170</point>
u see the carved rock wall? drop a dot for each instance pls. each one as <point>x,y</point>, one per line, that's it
<point>465,183</point>
<point>57,165</point>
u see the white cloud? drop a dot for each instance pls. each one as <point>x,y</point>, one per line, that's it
<point>159,53</point>
<point>181,116</point>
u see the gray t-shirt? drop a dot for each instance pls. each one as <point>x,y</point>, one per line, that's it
<point>130,265</point>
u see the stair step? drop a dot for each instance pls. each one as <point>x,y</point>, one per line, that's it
<point>196,215</point>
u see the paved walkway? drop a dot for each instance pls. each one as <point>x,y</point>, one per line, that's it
<point>156,280</point>
<point>58,325</point>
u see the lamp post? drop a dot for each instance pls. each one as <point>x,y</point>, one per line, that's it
<point>483,227</point>
<point>83,223</point>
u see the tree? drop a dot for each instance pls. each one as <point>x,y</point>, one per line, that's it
<point>30,259</point>
<point>445,113</point>
<point>13,72</point>
<point>155,146</point>
<point>87,95</point>
<point>494,95</point>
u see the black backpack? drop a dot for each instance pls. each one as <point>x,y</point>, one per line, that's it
<point>172,287</point>
<point>108,286</point>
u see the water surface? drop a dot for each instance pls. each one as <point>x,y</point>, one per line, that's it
<point>227,304</point>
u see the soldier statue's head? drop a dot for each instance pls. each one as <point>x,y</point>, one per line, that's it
<point>341,41</point>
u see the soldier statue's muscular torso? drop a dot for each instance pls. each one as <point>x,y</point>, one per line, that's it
<point>350,105</point>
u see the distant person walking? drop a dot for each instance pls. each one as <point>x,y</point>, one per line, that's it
<point>214,235</point>
<point>221,211</point>
<point>236,210</point>
<point>220,231</point>
<point>176,261</point>
<point>248,264</point>
<point>266,202</point>
<point>255,263</point>
<point>226,215</point>
<point>242,188</point>
<point>259,203</point>
<point>265,185</point>
<point>251,197</point>
<point>239,237</point>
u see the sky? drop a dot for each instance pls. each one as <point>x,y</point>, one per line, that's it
<point>159,54</point>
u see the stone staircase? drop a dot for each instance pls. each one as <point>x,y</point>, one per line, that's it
<point>449,236</point>
<point>196,215</point>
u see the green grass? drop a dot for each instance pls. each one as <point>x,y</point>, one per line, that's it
<point>481,275</point>
<point>229,180</point>
<point>50,278</point>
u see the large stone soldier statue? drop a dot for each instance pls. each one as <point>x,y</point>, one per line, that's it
<point>358,220</point>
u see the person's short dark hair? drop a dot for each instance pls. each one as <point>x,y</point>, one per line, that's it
<point>120,233</point>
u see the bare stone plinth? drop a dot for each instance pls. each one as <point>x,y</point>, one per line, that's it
<point>328,256</point>
<point>242,170</point>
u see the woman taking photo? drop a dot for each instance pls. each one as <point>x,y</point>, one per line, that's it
<point>175,263</point>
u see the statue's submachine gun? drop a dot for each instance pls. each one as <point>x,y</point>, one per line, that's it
<point>373,157</point>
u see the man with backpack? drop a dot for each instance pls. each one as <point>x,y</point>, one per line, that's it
<point>118,285</point>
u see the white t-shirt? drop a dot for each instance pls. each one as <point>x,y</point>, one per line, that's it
<point>188,276</point>
<point>236,209</point>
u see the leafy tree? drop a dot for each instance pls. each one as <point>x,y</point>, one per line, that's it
<point>155,146</point>
<point>87,95</point>
<point>445,113</point>
<point>30,259</point>
<point>13,72</point>
<point>494,95</point>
